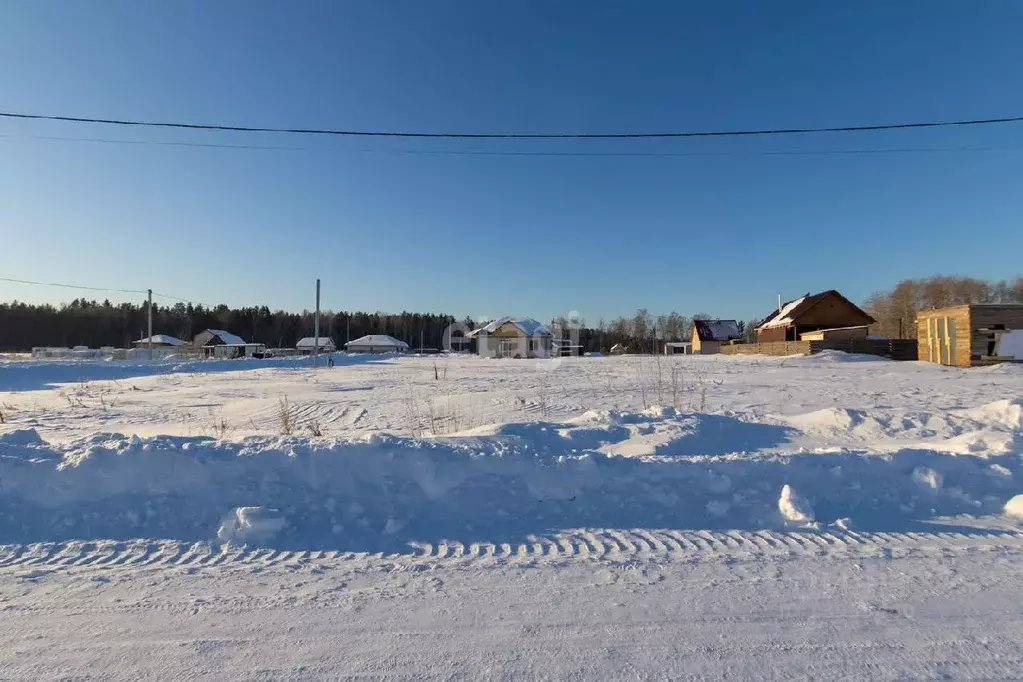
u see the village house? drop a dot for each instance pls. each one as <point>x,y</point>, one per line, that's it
<point>376,343</point>
<point>217,343</point>
<point>971,335</point>
<point>828,311</point>
<point>513,337</point>
<point>708,335</point>
<point>158,341</point>
<point>308,345</point>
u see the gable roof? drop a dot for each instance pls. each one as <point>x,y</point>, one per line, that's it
<point>227,338</point>
<point>165,339</point>
<point>377,340</point>
<point>716,330</point>
<point>793,310</point>
<point>527,325</point>
<point>310,342</point>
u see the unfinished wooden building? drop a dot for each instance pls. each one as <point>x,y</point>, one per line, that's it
<point>971,335</point>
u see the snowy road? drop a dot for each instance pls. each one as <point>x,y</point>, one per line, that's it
<point>742,605</point>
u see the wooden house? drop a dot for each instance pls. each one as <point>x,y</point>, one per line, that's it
<point>971,335</point>
<point>708,335</point>
<point>828,310</point>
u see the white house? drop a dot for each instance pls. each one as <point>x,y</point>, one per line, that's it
<point>159,341</point>
<point>513,337</point>
<point>307,345</point>
<point>376,343</point>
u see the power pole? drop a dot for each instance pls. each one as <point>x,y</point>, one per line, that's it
<point>149,310</point>
<point>316,327</point>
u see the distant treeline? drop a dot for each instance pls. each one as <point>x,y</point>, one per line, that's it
<point>895,310</point>
<point>95,324</point>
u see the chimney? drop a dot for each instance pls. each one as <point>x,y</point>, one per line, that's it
<point>779,303</point>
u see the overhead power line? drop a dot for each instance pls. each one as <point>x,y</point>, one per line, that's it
<point>72,286</point>
<point>86,287</point>
<point>509,136</point>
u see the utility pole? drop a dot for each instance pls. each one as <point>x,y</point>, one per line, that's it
<point>316,327</point>
<point>149,310</point>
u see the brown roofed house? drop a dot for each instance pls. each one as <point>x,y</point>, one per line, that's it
<point>708,335</point>
<point>828,310</point>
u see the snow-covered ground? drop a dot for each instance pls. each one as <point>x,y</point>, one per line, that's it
<point>628,517</point>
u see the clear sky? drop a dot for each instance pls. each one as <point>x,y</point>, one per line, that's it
<point>708,225</point>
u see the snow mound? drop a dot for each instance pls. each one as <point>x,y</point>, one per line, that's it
<point>246,525</point>
<point>1014,507</point>
<point>826,357</point>
<point>1004,413</point>
<point>928,478</point>
<point>22,437</point>
<point>794,507</point>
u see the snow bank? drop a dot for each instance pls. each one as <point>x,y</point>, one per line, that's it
<point>992,429</point>
<point>382,492</point>
<point>826,357</point>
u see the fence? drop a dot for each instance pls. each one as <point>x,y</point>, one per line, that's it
<point>894,349</point>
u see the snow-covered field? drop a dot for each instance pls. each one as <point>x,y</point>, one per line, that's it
<point>629,517</point>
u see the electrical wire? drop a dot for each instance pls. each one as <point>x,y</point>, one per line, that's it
<point>72,286</point>
<point>442,152</point>
<point>85,287</point>
<point>509,136</point>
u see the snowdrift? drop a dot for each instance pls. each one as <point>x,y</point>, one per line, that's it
<point>383,492</point>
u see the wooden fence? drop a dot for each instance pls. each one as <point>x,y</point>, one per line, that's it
<point>894,349</point>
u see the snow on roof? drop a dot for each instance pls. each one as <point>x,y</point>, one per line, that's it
<point>527,325</point>
<point>717,330</point>
<point>165,339</point>
<point>782,317</point>
<point>228,338</point>
<point>377,340</point>
<point>310,342</point>
<point>793,310</point>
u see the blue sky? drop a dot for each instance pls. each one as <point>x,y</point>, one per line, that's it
<point>720,226</point>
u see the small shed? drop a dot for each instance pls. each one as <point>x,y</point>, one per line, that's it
<point>307,345</point>
<point>826,310</point>
<point>708,335</point>
<point>514,337</point>
<point>159,341</point>
<point>619,349</point>
<point>678,348</point>
<point>971,335</point>
<point>376,343</point>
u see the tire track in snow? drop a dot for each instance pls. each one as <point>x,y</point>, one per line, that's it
<point>577,545</point>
